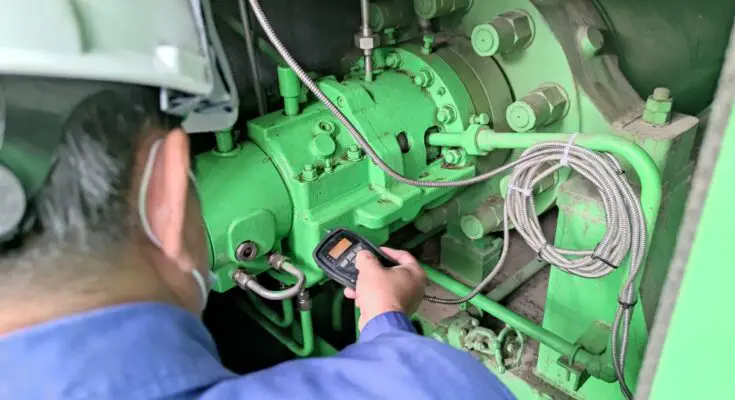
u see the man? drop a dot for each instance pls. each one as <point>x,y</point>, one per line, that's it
<point>103,302</point>
<point>102,276</point>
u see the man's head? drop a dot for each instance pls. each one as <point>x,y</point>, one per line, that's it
<point>89,243</point>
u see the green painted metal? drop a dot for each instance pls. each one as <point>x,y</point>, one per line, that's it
<point>224,181</point>
<point>316,178</point>
<point>442,108</point>
<point>224,141</point>
<point>597,366</point>
<point>301,344</point>
<point>698,333</point>
<point>284,320</point>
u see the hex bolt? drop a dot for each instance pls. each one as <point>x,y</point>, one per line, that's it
<point>393,60</point>
<point>324,126</point>
<point>446,115</point>
<point>590,40</point>
<point>328,165</point>
<point>309,173</point>
<point>423,78</point>
<point>541,107</point>
<point>453,156</point>
<point>506,33</point>
<point>658,107</point>
<point>428,46</point>
<point>354,153</point>
<point>480,119</point>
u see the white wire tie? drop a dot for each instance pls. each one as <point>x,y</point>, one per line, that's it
<point>523,191</point>
<point>565,157</point>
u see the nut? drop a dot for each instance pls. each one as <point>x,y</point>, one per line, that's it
<point>367,42</point>
<point>658,107</point>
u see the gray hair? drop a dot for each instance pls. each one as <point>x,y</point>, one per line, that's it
<point>84,205</point>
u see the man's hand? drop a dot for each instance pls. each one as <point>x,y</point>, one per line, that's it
<point>381,289</point>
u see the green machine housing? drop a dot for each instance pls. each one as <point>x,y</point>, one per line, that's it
<point>485,81</point>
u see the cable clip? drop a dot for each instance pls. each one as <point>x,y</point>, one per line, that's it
<point>627,306</point>
<point>541,250</point>
<point>564,161</point>
<point>596,257</point>
<point>525,192</point>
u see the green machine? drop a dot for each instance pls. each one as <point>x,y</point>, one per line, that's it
<point>459,121</point>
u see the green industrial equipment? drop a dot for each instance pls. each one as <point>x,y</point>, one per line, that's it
<point>443,93</point>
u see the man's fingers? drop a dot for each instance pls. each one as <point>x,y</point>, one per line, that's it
<point>403,257</point>
<point>350,293</point>
<point>366,261</point>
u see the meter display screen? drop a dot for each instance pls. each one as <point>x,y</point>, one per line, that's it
<point>340,248</point>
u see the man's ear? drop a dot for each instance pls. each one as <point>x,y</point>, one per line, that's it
<point>168,193</point>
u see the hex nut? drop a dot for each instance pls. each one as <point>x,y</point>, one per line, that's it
<point>367,42</point>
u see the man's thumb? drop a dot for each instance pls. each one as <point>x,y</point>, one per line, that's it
<point>365,260</point>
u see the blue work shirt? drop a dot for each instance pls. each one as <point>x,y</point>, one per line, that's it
<point>159,351</point>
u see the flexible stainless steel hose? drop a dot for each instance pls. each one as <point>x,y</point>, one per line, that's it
<point>626,229</point>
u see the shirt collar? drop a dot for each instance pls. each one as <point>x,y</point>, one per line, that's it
<point>112,352</point>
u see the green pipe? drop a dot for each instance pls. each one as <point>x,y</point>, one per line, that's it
<point>302,349</point>
<point>282,321</point>
<point>520,277</point>
<point>597,366</point>
<point>644,166</point>
<point>225,143</point>
<point>337,302</point>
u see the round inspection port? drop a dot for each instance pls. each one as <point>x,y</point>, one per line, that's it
<point>246,251</point>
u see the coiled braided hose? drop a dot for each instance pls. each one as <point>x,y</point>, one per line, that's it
<point>626,229</point>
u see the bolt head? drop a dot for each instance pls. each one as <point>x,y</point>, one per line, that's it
<point>520,116</point>
<point>446,115</point>
<point>481,119</point>
<point>423,78</point>
<point>393,60</point>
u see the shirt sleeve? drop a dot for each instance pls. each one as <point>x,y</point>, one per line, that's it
<point>392,321</point>
<point>390,361</point>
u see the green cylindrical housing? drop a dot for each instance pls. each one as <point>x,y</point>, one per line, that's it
<point>390,14</point>
<point>428,9</point>
<point>243,200</point>
<point>483,221</point>
<point>679,44</point>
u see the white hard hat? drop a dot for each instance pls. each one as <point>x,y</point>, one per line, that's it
<point>171,44</point>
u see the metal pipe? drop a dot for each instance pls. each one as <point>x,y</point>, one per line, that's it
<point>284,320</point>
<point>252,58</point>
<point>225,143</point>
<point>366,31</point>
<point>597,366</point>
<point>517,280</point>
<point>247,282</point>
